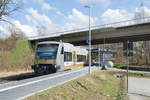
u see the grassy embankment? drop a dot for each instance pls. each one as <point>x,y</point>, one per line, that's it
<point>100,85</point>
<point>22,55</point>
<point>18,58</point>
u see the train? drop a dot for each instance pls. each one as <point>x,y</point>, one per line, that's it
<point>52,56</point>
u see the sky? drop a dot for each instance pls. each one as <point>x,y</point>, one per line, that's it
<point>51,16</point>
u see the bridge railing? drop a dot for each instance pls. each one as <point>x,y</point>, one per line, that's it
<point>135,21</point>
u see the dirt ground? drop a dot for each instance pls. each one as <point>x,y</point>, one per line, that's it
<point>12,73</point>
<point>6,77</point>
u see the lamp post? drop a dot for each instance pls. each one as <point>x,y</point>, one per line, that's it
<point>89,7</point>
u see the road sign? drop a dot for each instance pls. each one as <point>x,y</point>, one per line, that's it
<point>87,41</point>
<point>95,49</point>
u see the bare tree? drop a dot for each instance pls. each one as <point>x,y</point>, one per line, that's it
<point>7,7</point>
<point>142,48</point>
<point>141,15</point>
<point>18,33</point>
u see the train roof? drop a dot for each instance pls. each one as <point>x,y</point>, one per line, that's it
<point>55,42</point>
<point>49,42</point>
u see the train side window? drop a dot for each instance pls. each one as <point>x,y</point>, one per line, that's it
<point>81,58</point>
<point>67,56</point>
<point>62,50</point>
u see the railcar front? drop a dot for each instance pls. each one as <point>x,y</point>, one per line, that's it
<point>46,57</point>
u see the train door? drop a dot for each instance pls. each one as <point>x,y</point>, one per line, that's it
<point>74,58</point>
<point>62,58</point>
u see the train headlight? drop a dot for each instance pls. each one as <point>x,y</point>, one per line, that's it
<point>55,66</point>
<point>37,65</point>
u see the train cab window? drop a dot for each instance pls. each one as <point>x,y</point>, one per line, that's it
<point>81,58</point>
<point>62,50</point>
<point>67,56</point>
<point>46,51</point>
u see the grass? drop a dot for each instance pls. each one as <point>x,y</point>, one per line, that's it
<point>22,54</point>
<point>121,65</point>
<point>100,85</point>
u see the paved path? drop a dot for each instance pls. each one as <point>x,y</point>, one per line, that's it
<point>139,88</point>
<point>130,71</point>
<point>21,89</point>
<point>138,97</point>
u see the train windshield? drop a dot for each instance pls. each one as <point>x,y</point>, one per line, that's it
<point>46,51</point>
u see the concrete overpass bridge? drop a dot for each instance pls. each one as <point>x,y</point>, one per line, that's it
<point>134,32</point>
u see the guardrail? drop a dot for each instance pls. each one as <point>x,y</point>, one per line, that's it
<point>102,26</point>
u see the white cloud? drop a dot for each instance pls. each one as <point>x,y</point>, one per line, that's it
<point>27,29</point>
<point>5,28</point>
<point>104,3</point>
<point>4,33</point>
<point>42,21</point>
<point>24,1</point>
<point>143,12</point>
<point>74,20</point>
<point>142,15</point>
<point>117,15</point>
<point>1,28</point>
<point>42,18</point>
<point>47,7</point>
<point>38,1</point>
<point>78,20</point>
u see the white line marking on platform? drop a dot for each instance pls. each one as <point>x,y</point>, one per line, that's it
<point>28,83</point>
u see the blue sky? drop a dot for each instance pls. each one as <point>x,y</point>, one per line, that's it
<point>50,16</point>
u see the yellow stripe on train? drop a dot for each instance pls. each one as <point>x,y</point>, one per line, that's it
<point>73,66</point>
<point>45,61</point>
